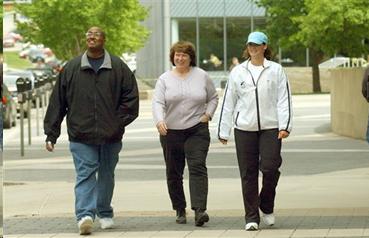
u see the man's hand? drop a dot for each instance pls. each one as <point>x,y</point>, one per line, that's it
<point>283,134</point>
<point>49,146</point>
<point>224,142</point>
<point>162,128</point>
<point>205,118</point>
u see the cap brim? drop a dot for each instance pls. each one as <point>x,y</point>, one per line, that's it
<point>255,41</point>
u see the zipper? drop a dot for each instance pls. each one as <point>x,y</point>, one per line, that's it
<point>95,106</point>
<point>256,94</point>
<point>257,108</point>
<point>238,113</point>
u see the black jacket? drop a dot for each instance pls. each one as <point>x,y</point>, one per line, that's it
<point>98,105</point>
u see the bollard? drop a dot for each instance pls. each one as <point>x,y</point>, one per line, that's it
<point>29,119</point>
<point>21,87</point>
<point>28,95</point>
<point>43,99</point>
<point>47,97</point>
<point>37,92</point>
<point>42,105</point>
<point>37,115</point>
<point>21,112</point>
<point>21,128</point>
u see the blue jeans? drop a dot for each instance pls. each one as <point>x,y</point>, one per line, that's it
<point>93,195</point>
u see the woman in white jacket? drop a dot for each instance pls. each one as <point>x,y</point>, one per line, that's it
<point>257,103</point>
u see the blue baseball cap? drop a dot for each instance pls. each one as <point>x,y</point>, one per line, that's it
<point>257,37</point>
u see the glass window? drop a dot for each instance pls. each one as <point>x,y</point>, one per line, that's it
<point>237,31</point>
<point>211,44</point>
<point>238,28</point>
<point>187,30</point>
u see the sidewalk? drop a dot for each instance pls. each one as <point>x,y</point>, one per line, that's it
<point>323,190</point>
<point>228,223</point>
<point>39,209</point>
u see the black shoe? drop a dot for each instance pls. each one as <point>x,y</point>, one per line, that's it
<point>181,216</point>
<point>201,217</point>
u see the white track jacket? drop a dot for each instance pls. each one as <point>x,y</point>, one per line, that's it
<point>251,104</point>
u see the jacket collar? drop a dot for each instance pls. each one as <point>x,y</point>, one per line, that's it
<point>266,63</point>
<point>106,64</point>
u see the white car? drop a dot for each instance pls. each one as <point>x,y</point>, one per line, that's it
<point>8,42</point>
<point>130,60</point>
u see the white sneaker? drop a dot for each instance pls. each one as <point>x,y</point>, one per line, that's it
<point>106,223</point>
<point>268,219</point>
<point>251,226</point>
<point>85,225</point>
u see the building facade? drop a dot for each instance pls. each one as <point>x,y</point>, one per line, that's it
<point>217,28</point>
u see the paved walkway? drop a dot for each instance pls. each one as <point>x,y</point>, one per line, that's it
<point>228,223</point>
<point>323,190</point>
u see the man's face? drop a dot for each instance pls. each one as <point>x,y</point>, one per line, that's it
<point>95,38</point>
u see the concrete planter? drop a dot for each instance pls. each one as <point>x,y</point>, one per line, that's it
<point>349,109</point>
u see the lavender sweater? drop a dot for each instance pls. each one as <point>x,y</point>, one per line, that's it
<point>182,102</point>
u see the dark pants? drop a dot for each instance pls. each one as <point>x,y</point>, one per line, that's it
<point>191,144</point>
<point>258,150</point>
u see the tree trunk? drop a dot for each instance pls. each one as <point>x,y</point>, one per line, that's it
<point>78,46</point>
<point>317,59</point>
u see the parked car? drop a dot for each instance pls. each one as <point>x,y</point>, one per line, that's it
<point>23,74</point>
<point>130,60</point>
<point>8,42</point>
<point>16,36</point>
<point>9,109</point>
<point>38,72</point>
<point>10,82</point>
<point>36,52</point>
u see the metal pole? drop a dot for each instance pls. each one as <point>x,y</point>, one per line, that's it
<point>307,57</point>
<point>225,37</point>
<point>37,115</point>
<point>21,128</point>
<point>29,120</point>
<point>252,15</point>
<point>279,55</point>
<point>47,98</point>
<point>166,31</point>
<point>197,35</point>
<point>43,104</point>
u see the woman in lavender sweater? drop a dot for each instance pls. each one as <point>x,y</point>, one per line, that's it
<point>184,102</point>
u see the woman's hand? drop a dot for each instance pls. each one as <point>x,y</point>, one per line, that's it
<point>162,128</point>
<point>283,134</point>
<point>224,142</point>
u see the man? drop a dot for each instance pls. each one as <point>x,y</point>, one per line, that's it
<point>99,95</point>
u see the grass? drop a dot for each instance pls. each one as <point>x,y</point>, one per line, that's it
<point>13,61</point>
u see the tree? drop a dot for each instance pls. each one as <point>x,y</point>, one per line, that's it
<point>2,22</point>
<point>61,25</point>
<point>334,26</point>
<point>326,27</point>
